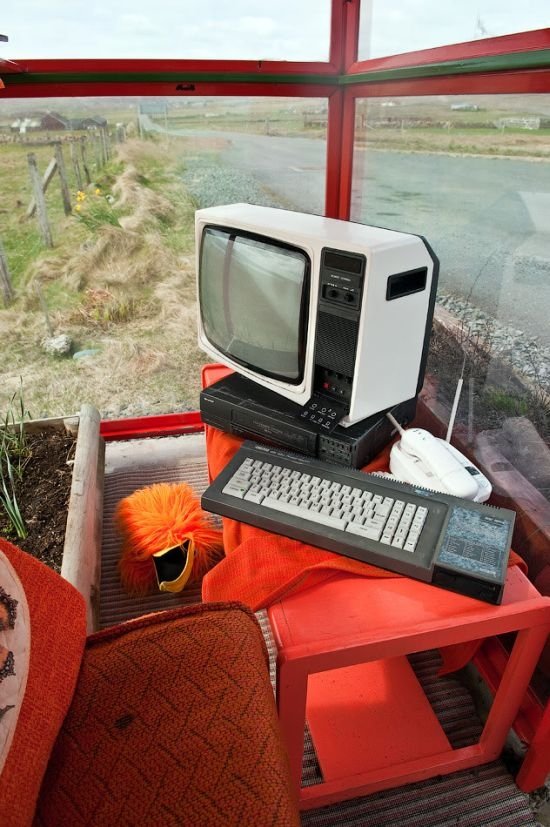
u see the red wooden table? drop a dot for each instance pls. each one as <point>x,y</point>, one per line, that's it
<point>342,665</point>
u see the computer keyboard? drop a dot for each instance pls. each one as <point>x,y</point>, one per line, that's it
<point>434,537</point>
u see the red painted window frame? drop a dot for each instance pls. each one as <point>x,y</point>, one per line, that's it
<point>342,62</point>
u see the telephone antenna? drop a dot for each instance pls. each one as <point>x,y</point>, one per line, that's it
<point>395,423</point>
<point>455,402</point>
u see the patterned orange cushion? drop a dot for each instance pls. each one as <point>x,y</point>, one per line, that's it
<point>57,635</point>
<point>173,722</point>
<point>15,647</point>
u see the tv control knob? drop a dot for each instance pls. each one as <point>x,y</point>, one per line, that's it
<point>349,297</point>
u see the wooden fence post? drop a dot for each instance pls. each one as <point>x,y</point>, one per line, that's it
<point>5,279</point>
<point>65,194</point>
<point>46,180</point>
<point>83,142</point>
<point>98,151</point>
<point>105,144</point>
<point>76,166</point>
<point>40,201</point>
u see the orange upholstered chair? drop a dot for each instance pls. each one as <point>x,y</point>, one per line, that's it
<point>167,719</point>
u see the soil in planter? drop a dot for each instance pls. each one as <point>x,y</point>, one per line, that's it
<point>43,496</point>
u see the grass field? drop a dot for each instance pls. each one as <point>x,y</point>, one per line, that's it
<point>119,281</point>
<point>517,143</point>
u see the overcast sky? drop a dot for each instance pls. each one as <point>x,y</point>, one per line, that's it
<point>248,29</point>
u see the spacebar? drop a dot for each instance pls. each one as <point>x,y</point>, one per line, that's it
<point>304,513</point>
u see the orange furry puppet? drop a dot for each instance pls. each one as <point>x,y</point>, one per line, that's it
<point>162,517</point>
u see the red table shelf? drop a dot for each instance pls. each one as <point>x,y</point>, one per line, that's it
<point>342,665</point>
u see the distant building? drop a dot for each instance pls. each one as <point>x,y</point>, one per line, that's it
<point>465,107</point>
<point>518,123</point>
<point>52,121</point>
<point>153,107</point>
<point>96,121</point>
<point>23,125</point>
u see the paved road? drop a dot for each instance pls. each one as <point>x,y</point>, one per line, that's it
<point>488,219</point>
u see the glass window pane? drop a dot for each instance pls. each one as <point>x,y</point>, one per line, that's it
<point>241,30</point>
<point>472,176</point>
<point>256,318</point>
<point>119,281</point>
<point>396,26</point>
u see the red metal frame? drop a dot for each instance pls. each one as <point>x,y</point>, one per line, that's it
<point>512,83</point>
<point>168,89</point>
<point>183,66</point>
<point>491,46</point>
<point>334,153</point>
<point>346,157</point>
<point>146,426</point>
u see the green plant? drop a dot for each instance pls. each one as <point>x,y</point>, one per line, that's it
<point>13,442</point>
<point>13,458</point>
<point>8,498</point>
<point>97,213</point>
<point>504,402</point>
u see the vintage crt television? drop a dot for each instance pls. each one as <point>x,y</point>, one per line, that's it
<point>313,307</point>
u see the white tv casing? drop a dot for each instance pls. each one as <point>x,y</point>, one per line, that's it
<point>393,335</point>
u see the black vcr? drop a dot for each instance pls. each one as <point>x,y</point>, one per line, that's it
<point>238,406</point>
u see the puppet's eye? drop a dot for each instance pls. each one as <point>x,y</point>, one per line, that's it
<point>7,663</point>
<point>8,610</point>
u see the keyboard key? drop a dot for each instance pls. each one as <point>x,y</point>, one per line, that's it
<point>372,533</point>
<point>254,496</point>
<point>236,489</point>
<point>304,513</point>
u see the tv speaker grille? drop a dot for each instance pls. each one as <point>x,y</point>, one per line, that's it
<point>336,341</point>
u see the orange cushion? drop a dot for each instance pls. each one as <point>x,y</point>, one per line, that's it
<point>173,722</point>
<point>57,635</point>
<point>15,647</point>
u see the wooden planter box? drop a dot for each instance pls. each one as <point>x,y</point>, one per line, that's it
<point>82,549</point>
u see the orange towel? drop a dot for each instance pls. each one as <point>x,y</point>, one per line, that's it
<point>260,568</point>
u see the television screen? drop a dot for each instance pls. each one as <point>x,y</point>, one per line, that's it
<point>254,296</point>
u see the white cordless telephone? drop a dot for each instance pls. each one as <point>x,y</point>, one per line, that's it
<point>423,459</point>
